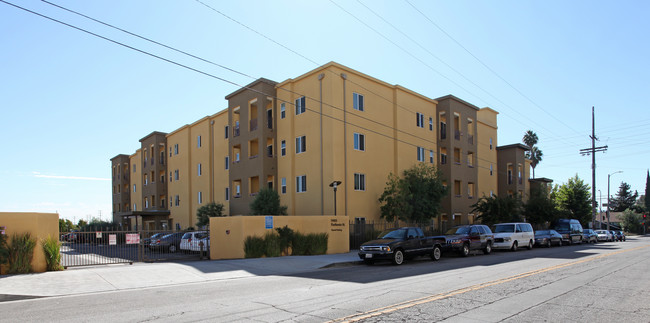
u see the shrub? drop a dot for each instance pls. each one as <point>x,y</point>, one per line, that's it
<point>254,247</point>
<point>272,245</point>
<point>51,249</point>
<point>4,250</point>
<point>21,251</point>
<point>309,244</point>
<point>286,236</point>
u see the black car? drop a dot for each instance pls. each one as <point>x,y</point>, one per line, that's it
<point>589,236</point>
<point>620,236</point>
<point>547,238</point>
<point>465,238</point>
<point>570,229</point>
<point>400,243</point>
<point>147,241</point>
<point>170,242</point>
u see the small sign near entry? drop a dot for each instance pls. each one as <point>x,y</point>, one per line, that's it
<point>132,238</point>
<point>98,235</point>
<point>112,239</point>
<point>268,222</point>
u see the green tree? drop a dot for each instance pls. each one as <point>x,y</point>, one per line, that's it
<point>66,225</point>
<point>574,199</point>
<point>632,221</point>
<point>540,207</point>
<point>413,197</point>
<point>4,250</point>
<point>533,153</point>
<point>624,198</point>
<point>82,224</point>
<point>267,202</point>
<point>204,213</point>
<point>496,209</point>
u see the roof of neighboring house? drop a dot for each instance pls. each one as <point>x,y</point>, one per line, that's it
<point>522,146</point>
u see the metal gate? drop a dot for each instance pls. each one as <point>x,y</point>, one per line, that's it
<point>115,247</point>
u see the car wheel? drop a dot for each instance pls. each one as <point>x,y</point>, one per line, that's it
<point>436,253</point>
<point>398,257</point>
<point>465,250</point>
<point>172,248</point>
<point>368,261</point>
<point>488,248</point>
<point>514,246</point>
<point>530,245</point>
<point>548,243</point>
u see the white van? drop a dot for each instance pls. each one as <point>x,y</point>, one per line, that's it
<point>513,235</point>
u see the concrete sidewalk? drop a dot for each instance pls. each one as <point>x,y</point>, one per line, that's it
<point>104,278</point>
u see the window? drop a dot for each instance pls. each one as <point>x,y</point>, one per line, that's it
<point>200,197</point>
<point>359,142</point>
<point>470,159</point>
<point>177,200</point>
<point>419,120</point>
<point>171,179</point>
<point>420,154</point>
<point>301,184</point>
<point>198,142</point>
<point>470,190</point>
<point>431,156</point>
<point>301,144</point>
<point>283,112</point>
<point>457,156</point>
<point>175,149</point>
<point>283,148</point>
<point>457,188</point>
<point>359,182</point>
<point>490,169</point>
<point>357,101</point>
<point>146,180</point>
<point>490,143</point>
<point>284,185</point>
<point>430,124</point>
<point>227,131</point>
<point>198,169</point>
<point>135,207</point>
<point>227,193</point>
<point>133,188</point>
<point>443,156</point>
<point>300,105</point>
<point>170,154</point>
<point>176,174</point>
<point>134,168</point>
<point>227,162</point>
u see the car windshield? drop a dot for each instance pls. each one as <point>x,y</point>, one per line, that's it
<point>458,230</point>
<point>562,226</point>
<point>542,232</point>
<point>504,228</point>
<point>187,235</point>
<point>393,234</point>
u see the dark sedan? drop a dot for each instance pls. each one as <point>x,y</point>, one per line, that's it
<point>147,241</point>
<point>170,242</point>
<point>547,238</point>
<point>589,236</point>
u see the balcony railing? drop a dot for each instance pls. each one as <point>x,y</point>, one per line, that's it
<point>457,135</point>
<point>235,131</point>
<point>443,134</point>
<point>253,124</point>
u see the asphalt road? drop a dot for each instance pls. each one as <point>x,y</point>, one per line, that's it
<point>590,283</point>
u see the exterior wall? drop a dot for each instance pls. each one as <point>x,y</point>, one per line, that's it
<point>513,155</point>
<point>153,171</point>
<point>387,122</point>
<point>179,161</point>
<point>120,185</point>
<point>462,135</point>
<point>250,133</point>
<point>136,179</point>
<point>228,239</point>
<point>199,154</point>
<point>220,150</point>
<point>487,152</point>
<point>39,225</point>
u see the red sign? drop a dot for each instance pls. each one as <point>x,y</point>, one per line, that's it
<point>132,238</point>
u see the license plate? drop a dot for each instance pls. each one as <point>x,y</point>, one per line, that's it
<point>368,255</point>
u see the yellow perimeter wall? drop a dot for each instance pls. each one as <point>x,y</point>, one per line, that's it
<point>227,234</point>
<point>40,225</point>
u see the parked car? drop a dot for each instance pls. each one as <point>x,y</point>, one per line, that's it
<point>201,240</point>
<point>589,236</point>
<point>400,243</point>
<point>513,235</point>
<point>466,238</point>
<point>147,241</point>
<point>191,239</point>
<point>620,236</point>
<point>548,238</point>
<point>170,242</point>
<point>570,229</point>
<point>603,235</point>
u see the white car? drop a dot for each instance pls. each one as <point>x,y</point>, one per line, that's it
<point>603,235</point>
<point>191,241</point>
<point>513,235</point>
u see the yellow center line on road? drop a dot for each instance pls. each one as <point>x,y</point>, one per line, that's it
<point>432,298</point>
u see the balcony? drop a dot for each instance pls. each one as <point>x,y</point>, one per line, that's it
<point>162,160</point>
<point>253,124</point>
<point>457,134</point>
<point>235,131</point>
<point>443,134</point>
<point>269,122</point>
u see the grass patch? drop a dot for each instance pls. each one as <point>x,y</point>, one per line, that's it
<point>21,252</point>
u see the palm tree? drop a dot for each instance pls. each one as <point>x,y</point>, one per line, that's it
<point>534,153</point>
<point>535,158</point>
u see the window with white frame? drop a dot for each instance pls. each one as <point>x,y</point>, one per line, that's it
<point>283,112</point>
<point>300,105</point>
<point>420,154</point>
<point>431,156</point>
<point>171,179</point>
<point>419,119</point>
<point>176,175</point>
<point>133,188</point>
<point>301,144</point>
<point>284,185</point>
<point>357,101</point>
<point>283,148</point>
<point>359,142</point>
<point>177,200</point>
<point>430,123</point>
<point>359,182</point>
<point>301,183</point>
<point>175,149</point>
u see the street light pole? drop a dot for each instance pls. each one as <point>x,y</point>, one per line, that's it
<point>608,176</point>
<point>333,185</point>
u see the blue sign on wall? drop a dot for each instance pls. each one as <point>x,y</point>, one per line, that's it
<point>268,222</point>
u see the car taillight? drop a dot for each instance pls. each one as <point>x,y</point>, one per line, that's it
<point>158,241</point>
<point>189,240</point>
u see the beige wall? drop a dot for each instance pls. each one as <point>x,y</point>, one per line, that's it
<point>219,121</point>
<point>40,225</point>
<point>136,179</point>
<point>180,162</point>
<point>227,234</point>
<point>487,152</point>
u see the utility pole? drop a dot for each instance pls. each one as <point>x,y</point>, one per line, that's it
<point>592,151</point>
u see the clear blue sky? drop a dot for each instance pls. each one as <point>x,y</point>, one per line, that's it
<point>71,101</point>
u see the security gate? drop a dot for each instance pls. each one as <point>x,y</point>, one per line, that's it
<point>115,247</point>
